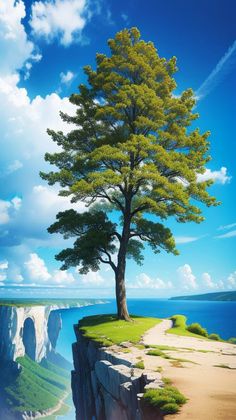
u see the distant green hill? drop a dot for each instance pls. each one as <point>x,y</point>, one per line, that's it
<point>38,387</point>
<point>217,296</point>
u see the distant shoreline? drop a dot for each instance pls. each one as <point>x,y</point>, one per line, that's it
<point>216,297</point>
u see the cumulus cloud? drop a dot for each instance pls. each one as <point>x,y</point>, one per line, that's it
<point>220,176</point>
<point>14,45</point>
<point>93,279</point>
<point>186,276</point>
<point>8,208</point>
<point>36,269</point>
<point>143,281</point>
<point>61,19</point>
<point>206,277</point>
<point>231,281</point>
<point>37,272</point>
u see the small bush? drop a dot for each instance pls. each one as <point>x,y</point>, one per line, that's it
<point>197,329</point>
<point>214,336</point>
<point>232,340</point>
<point>167,399</point>
<point>179,321</point>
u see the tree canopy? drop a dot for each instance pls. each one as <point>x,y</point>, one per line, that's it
<point>131,153</point>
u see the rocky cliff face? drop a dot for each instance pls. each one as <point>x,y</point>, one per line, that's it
<point>28,330</point>
<point>105,385</point>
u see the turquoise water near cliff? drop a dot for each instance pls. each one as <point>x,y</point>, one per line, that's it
<point>219,317</point>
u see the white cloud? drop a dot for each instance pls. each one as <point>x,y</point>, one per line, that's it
<point>231,280</point>
<point>223,67</point>
<point>3,265</point>
<point>206,277</point>
<point>186,239</point>
<point>62,277</point>
<point>36,269</point>
<point>67,77</point>
<point>14,166</point>
<point>143,281</point>
<point>37,272</point>
<point>14,45</point>
<point>225,227</point>
<point>187,277</point>
<point>217,176</point>
<point>62,19</point>
<point>230,234</point>
<point>7,209</point>
<point>93,279</point>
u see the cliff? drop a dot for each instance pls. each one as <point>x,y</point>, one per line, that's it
<point>105,383</point>
<point>28,330</point>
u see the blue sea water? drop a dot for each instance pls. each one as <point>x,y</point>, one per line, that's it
<point>218,317</point>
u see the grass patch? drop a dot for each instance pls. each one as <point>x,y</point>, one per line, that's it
<point>167,399</point>
<point>159,369</point>
<point>139,365</point>
<point>232,340</point>
<point>222,366</point>
<point>107,330</point>
<point>180,327</point>
<point>158,352</point>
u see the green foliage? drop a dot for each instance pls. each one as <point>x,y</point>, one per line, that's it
<point>139,365</point>
<point>35,388</point>
<point>167,399</point>
<point>197,329</point>
<point>132,151</point>
<point>232,340</point>
<point>214,336</point>
<point>180,327</point>
<point>108,330</point>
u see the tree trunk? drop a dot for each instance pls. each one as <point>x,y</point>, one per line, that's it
<point>122,311</point>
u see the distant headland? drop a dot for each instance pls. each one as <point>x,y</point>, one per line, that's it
<point>217,296</point>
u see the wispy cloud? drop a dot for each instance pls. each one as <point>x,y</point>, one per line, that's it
<point>186,239</point>
<point>230,234</point>
<point>225,227</point>
<point>218,73</point>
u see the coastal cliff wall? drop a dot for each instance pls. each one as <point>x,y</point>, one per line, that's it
<point>29,330</point>
<point>105,385</point>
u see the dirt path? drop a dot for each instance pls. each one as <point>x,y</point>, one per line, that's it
<point>211,390</point>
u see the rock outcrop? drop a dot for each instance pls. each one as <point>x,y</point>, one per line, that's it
<point>105,385</point>
<point>31,330</point>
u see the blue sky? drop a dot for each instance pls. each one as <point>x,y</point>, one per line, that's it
<point>44,46</point>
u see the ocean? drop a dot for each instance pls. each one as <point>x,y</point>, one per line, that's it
<point>217,317</point>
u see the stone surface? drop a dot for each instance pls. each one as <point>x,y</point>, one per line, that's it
<point>46,324</point>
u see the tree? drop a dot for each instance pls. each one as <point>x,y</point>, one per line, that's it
<point>131,154</point>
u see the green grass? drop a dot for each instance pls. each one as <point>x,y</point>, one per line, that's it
<point>35,388</point>
<point>222,366</point>
<point>139,365</point>
<point>107,330</point>
<point>159,353</point>
<point>167,399</point>
<point>180,327</point>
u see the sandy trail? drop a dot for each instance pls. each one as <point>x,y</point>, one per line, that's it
<point>211,390</point>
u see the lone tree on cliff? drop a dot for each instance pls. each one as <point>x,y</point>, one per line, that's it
<point>131,153</point>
